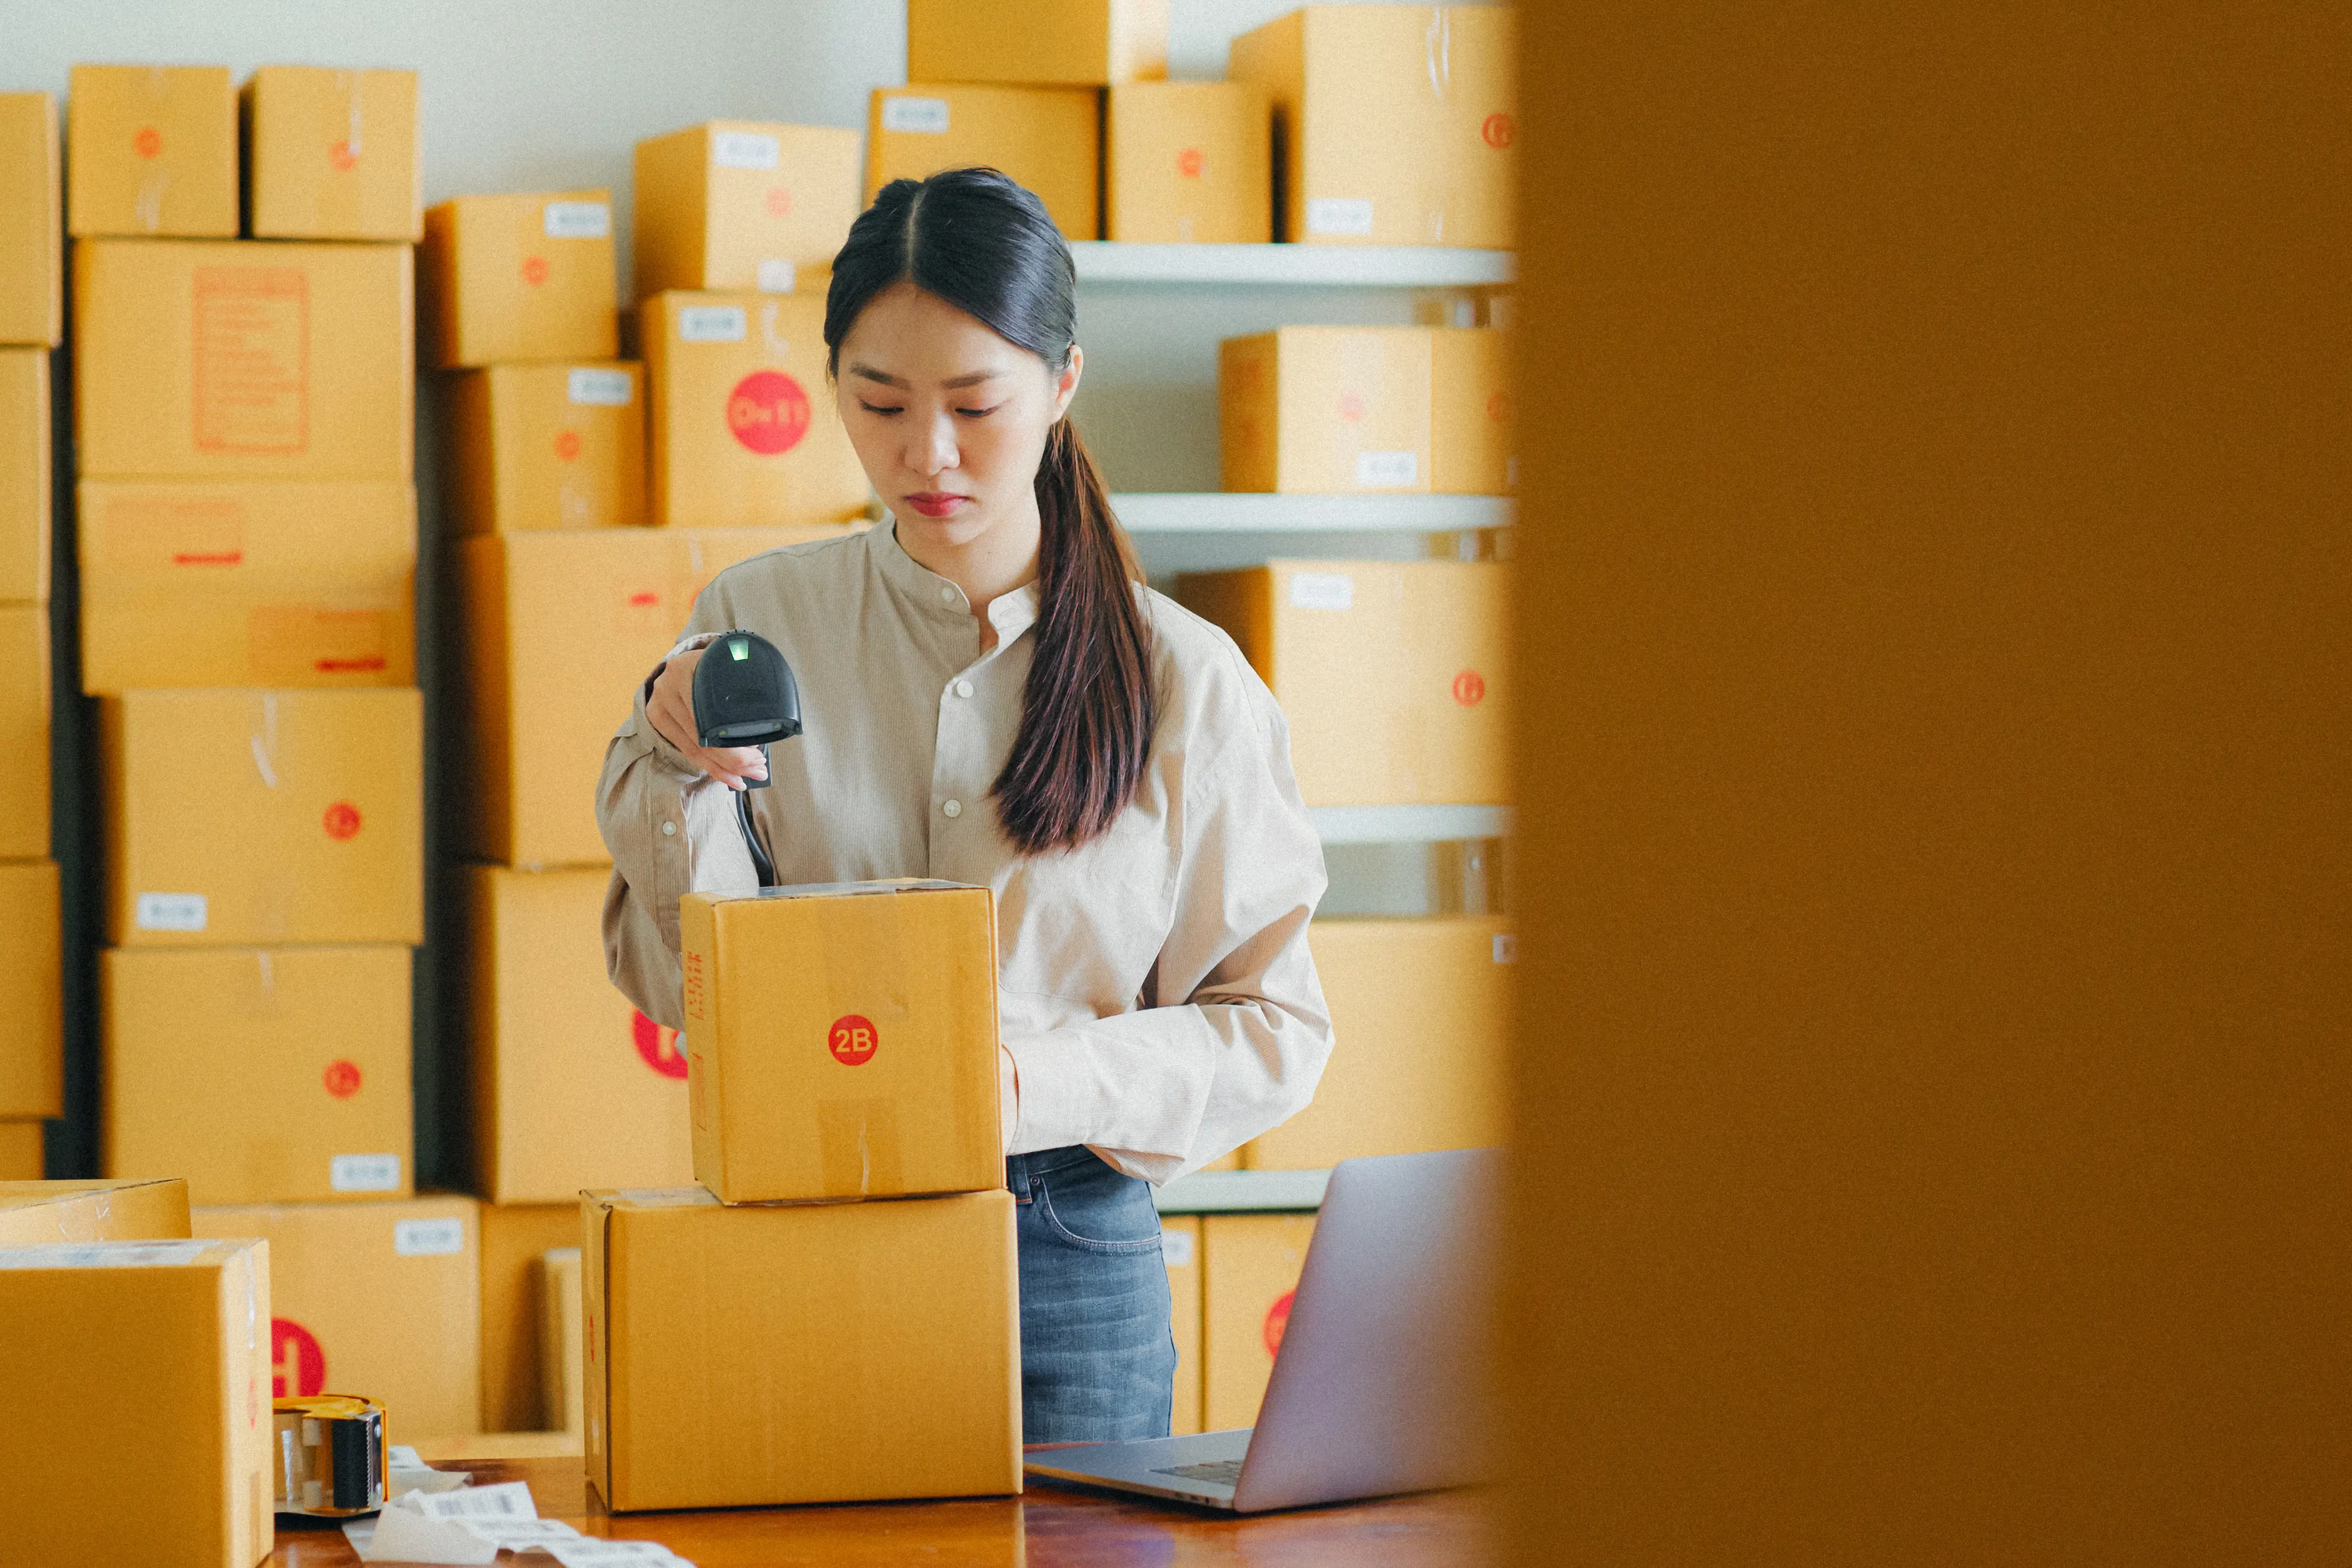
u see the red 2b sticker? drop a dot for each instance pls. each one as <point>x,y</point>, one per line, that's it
<point>852,1039</point>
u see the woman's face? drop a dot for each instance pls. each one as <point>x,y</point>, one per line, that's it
<point>949,418</point>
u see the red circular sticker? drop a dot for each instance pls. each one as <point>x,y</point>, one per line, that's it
<point>767,412</point>
<point>298,1367</point>
<point>535,270</point>
<point>1498,407</point>
<point>341,821</point>
<point>852,1039</point>
<point>341,158</point>
<point>1277,1320</point>
<point>658,1046</point>
<point>148,143</point>
<point>1189,162</point>
<point>342,1079</point>
<point>779,202</point>
<point>1469,688</point>
<point>1500,131</point>
<point>1352,405</point>
<point>567,445</point>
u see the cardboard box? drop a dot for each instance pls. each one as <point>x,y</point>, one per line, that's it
<point>1397,123</point>
<point>550,446</point>
<point>262,1075</point>
<point>33,1212</point>
<point>259,817</point>
<point>1392,674</point>
<point>247,583</point>
<point>561,1340</point>
<point>154,151</point>
<point>32,999</point>
<point>21,1152</point>
<point>1180,1244</point>
<point>886,1340</point>
<point>333,154</point>
<point>134,1404</point>
<point>243,360</point>
<point>1250,1265</point>
<point>1421,1009</point>
<point>24,731</point>
<point>1188,163</point>
<point>25,440</point>
<point>1473,429</point>
<point>1047,138</point>
<point>841,1040</point>
<point>381,1299</point>
<point>1077,43</point>
<point>557,1049</point>
<point>742,205</point>
<point>1326,410</point>
<point>519,278</point>
<point>745,429</point>
<point>515,1237</point>
<point>561,630</point>
<point>32,226</point>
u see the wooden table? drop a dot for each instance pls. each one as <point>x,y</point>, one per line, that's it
<point>1050,1526</point>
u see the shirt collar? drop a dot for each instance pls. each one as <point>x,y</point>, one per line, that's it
<point>1012,613</point>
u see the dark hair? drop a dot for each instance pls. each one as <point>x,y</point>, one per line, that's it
<point>980,242</point>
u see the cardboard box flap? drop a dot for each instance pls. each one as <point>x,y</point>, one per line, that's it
<point>33,1212</point>
<point>843,889</point>
<point>119,1254</point>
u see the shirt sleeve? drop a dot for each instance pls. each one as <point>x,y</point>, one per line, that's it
<point>670,829</point>
<point>1233,1031</point>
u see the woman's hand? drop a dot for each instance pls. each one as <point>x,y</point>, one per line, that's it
<point>671,709</point>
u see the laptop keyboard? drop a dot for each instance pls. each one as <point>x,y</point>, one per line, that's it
<point>1223,1472</point>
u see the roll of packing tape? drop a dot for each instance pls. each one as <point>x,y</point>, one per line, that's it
<point>330,1456</point>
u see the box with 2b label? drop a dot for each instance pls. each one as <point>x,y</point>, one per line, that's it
<point>841,1040</point>
<point>517,278</point>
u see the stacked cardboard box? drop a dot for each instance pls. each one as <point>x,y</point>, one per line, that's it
<point>247,544</point>
<point>842,1069</point>
<point>568,600</point>
<point>31,1070</point>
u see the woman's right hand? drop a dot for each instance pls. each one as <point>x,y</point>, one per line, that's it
<point>671,709</point>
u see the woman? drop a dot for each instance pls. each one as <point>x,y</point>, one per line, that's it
<point>991,697</point>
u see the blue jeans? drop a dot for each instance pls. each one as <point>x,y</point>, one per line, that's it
<point>1097,1356</point>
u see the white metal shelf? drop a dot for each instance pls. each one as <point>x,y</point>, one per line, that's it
<point>1408,824</point>
<point>1294,265</point>
<point>1239,1192</point>
<point>1216,512</point>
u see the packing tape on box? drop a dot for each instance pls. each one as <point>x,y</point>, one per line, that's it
<point>858,1142</point>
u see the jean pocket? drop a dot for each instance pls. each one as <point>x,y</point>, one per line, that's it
<point>1095,1207</point>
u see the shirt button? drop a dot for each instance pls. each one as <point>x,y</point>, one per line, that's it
<point>947,594</point>
<point>953,809</point>
<point>669,829</point>
<point>963,688</point>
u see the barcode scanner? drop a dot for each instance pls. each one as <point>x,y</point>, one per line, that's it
<point>744,695</point>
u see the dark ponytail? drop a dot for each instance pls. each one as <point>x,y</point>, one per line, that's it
<point>977,240</point>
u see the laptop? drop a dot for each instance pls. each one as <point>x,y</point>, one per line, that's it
<point>1378,1385</point>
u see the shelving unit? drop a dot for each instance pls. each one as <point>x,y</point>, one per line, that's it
<point>1217,512</point>
<point>1293,265</point>
<point>1408,824</point>
<point>1243,1192</point>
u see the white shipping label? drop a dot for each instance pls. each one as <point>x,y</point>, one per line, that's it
<point>1176,1247</point>
<point>924,116</point>
<point>509,1500</point>
<point>1388,470</point>
<point>364,1173</point>
<point>745,150</point>
<point>577,220</point>
<point>776,276</point>
<point>1506,947</point>
<point>1322,590</point>
<point>713,324</point>
<point>103,1254</point>
<point>598,389</point>
<point>521,1534</point>
<point>428,1237</point>
<point>169,912</point>
<point>1339,215</point>
<point>586,1553</point>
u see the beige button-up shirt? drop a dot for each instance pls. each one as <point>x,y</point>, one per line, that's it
<point>1156,997</point>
